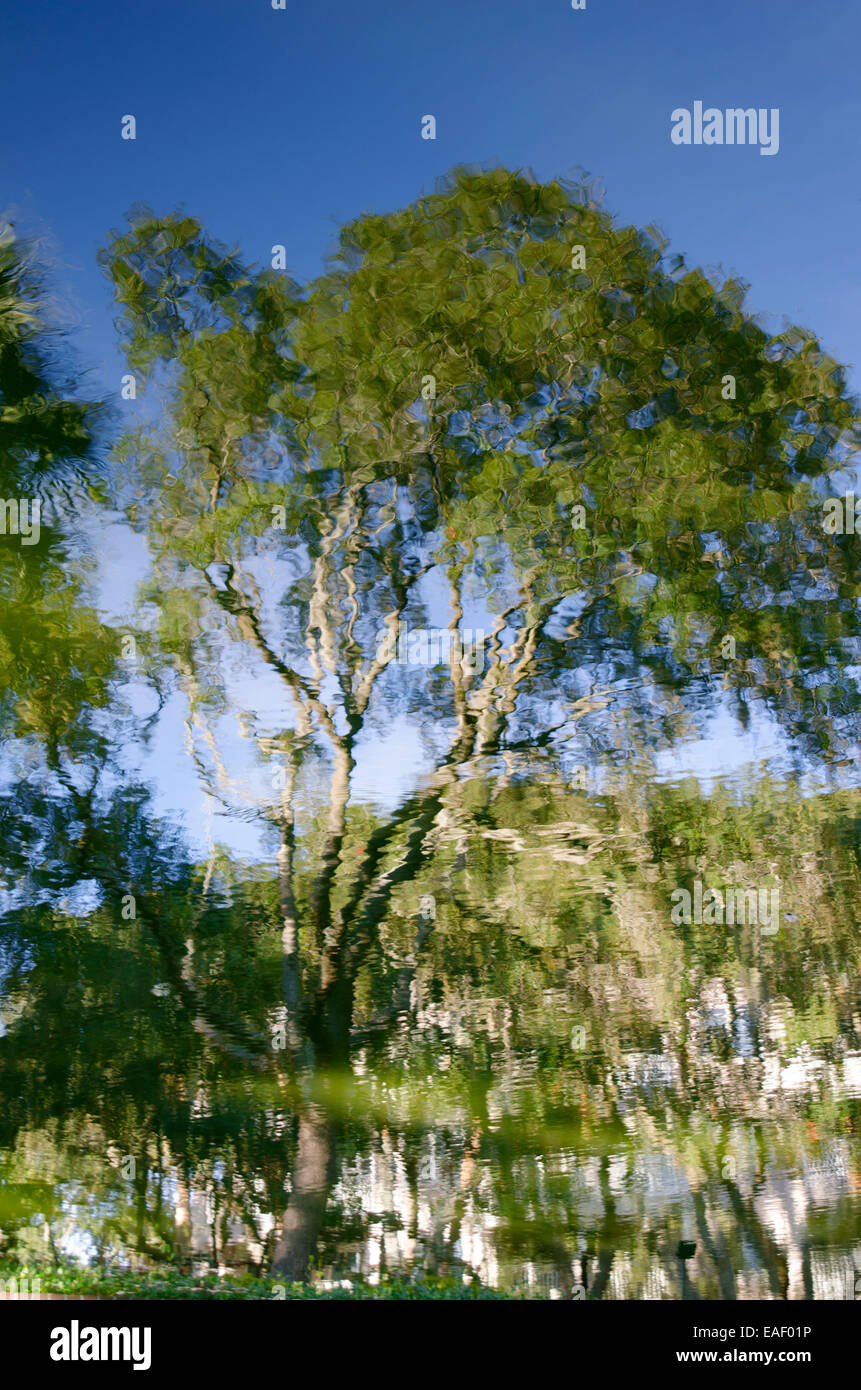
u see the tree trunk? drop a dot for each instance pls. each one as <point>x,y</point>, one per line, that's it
<point>313,1176</point>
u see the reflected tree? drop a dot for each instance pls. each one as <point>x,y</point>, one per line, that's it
<point>499,410</point>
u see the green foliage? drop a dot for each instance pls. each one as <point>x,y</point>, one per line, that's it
<point>301,496</point>
<point>553,388</point>
<point>56,657</point>
<point>72,1280</point>
<point>45,436</point>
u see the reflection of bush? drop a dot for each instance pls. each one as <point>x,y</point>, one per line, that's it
<point>70,1281</point>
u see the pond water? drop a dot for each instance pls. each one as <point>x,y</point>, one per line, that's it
<point>543,1081</point>
<point>429,810</point>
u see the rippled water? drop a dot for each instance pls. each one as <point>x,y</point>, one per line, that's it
<point>560,1090</point>
<point>429,811</point>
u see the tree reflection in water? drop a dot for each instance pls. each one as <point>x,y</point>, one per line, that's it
<point>453,1026</point>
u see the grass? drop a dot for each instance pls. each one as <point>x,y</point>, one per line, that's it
<point>72,1279</point>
